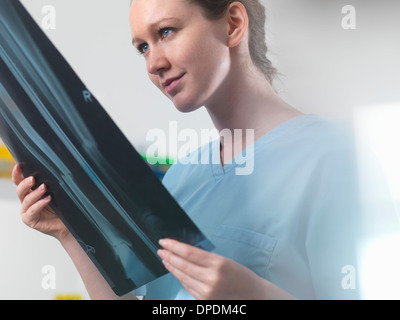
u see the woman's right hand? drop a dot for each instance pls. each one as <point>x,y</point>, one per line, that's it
<point>35,211</point>
<point>37,214</point>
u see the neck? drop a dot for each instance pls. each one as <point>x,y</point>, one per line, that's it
<point>251,104</point>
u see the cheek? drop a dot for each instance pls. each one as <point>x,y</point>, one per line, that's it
<point>204,59</point>
<point>200,47</point>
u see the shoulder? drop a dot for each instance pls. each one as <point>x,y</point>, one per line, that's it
<point>308,140</point>
<point>323,133</point>
<point>332,146</point>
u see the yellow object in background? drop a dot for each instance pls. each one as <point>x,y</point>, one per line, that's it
<point>5,154</point>
<point>67,296</point>
<point>6,162</point>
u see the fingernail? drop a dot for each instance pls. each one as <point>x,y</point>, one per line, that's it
<point>31,180</point>
<point>160,253</point>
<point>162,242</point>
<point>42,186</point>
<point>48,197</point>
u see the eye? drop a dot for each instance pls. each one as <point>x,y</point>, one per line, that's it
<point>143,48</point>
<point>165,32</point>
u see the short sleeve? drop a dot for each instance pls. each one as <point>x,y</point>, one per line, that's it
<point>342,225</point>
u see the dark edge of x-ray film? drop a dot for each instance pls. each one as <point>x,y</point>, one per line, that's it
<point>101,188</point>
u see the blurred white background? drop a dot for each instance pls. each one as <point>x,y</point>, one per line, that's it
<point>350,74</point>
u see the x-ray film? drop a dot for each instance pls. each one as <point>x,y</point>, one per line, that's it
<point>101,188</point>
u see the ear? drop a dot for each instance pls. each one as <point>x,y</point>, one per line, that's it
<point>238,23</point>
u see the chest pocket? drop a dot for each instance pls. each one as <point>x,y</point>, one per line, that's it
<point>249,248</point>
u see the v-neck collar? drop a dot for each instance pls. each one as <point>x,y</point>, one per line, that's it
<point>286,127</point>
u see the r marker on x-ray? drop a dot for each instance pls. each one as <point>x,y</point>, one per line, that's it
<point>101,188</point>
<point>87,96</point>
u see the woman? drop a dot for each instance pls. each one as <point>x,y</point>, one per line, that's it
<point>279,232</point>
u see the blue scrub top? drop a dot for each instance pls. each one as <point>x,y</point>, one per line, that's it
<point>294,219</point>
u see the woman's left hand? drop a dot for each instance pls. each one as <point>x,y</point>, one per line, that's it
<point>209,276</point>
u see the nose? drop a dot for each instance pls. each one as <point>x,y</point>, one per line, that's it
<point>157,61</point>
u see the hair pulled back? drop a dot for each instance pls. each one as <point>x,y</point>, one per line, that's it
<point>215,9</point>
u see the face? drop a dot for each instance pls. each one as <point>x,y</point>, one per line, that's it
<point>186,54</point>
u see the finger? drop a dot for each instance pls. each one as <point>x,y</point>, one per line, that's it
<point>191,269</point>
<point>188,252</point>
<point>32,216</point>
<point>195,293</point>
<point>33,197</point>
<point>24,187</point>
<point>193,286</point>
<point>17,175</point>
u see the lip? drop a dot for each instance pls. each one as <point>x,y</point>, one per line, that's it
<point>170,84</point>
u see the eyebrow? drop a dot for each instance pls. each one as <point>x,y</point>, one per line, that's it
<point>137,40</point>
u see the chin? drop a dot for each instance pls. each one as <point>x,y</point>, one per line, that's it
<point>185,106</point>
<point>187,109</point>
